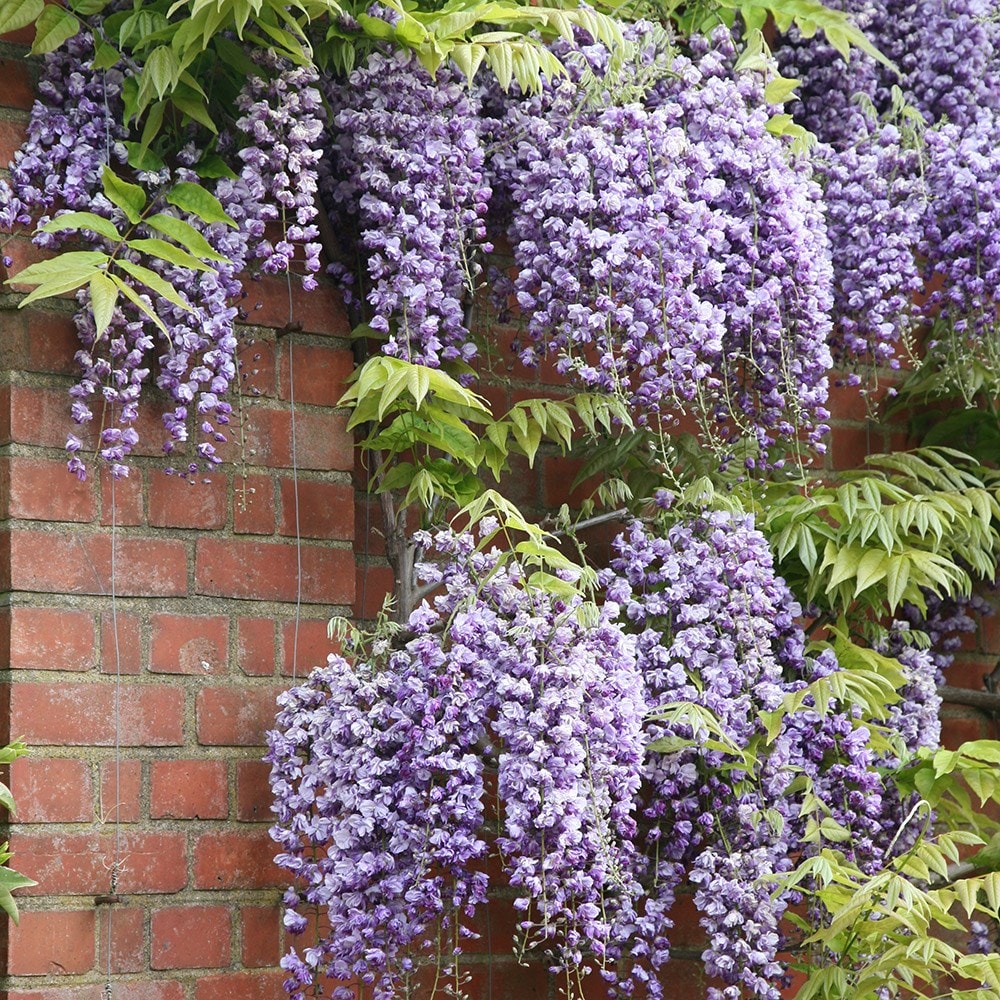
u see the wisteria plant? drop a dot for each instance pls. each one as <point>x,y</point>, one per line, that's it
<point>739,706</point>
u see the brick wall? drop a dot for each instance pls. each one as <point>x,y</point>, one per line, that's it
<point>202,633</point>
<point>181,670</point>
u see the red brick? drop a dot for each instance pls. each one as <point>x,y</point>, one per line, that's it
<point>312,648</point>
<point>260,941</point>
<point>5,415</point>
<point>80,563</point>
<point>255,646</point>
<point>146,990</point>
<point>268,571</point>
<point>320,373</point>
<point>23,253</point>
<point>12,134</point>
<point>325,510</point>
<point>51,639</point>
<point>256,363</point>
<point>253,791</point>
<point>52,343</point>
<point>968,671</point>
<point>369,539</point>
<point>121,791</point>
<point>373,584</point>
<point>121,642</point>
<point>52,790</point>
<point>245,985</point>
<point>182,503</point>
<point>128,939</point>
<point>506,980</point>
<point>52,943</point>
<point>989,632</point>
<point>122,499</point>
<point>849,446</point>
<point>253,505</point>
<point>320,311</point>
<point>235,716</point>
<point>959,729</point>
<point>41,416</point>
<point>559,475</point>
<point>190,937</point>
<point>71,714</point>
<point>72,864</point>
<point>245,860</point>
<point>687,931</point>
<point>189,644</point>
<point>43,490</point>
<point>321,440</point>
<point>92,992</point>
<point>188,789</point>
<point>18,85</point>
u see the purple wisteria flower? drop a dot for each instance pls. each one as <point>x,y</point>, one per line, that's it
<point>406,175</point>
<point>670,249</point>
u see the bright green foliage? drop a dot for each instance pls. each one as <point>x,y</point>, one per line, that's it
<point>923,519</point>
<point>10,879</point>
<point>73,269</point>
<point>432,436</point>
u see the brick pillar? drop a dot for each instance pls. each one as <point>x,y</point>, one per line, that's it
<point>181,670</point>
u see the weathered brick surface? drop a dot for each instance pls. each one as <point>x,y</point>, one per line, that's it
<point>147,709</point>
<point>48,942</point>
<point>191,937</point>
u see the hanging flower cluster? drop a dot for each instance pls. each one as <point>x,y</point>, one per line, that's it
<point>379,770</point>
<point>75,128</point>
<point>939,210</point>
<point>380,767</point>
<point>406,173</point>
<point>74,132</point>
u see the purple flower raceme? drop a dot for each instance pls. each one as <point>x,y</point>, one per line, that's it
<point>670,249</point>
<point>406,173</point>
<point>938,211</point>
<point>378,770</point>
<point>380,767</point>
<point>74,129</point>
<point>72,132</point>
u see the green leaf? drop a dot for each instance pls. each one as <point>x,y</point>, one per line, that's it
<point>185,234</point>
<point>62,274</point>
<point>780,89</point>
<point>82,220</point>
<point>987,750</point>
<point>106,56</point>
<point>161,72</point>
<point>872,568</point>
<point>144,307</point>
<point>6,799</point>
<point>141,157</point>
<point>130,198</point>
<point>897,578</point>
<point>212,166</point>
<point>468,57</point>
<point>103,299</point>
<point>10,881</point>
<point>16,14</point>
<point>168,252</point>
<point>195,199</point>
<point>54,26</point>
<point>194,106</point>
<point>154,282</point>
